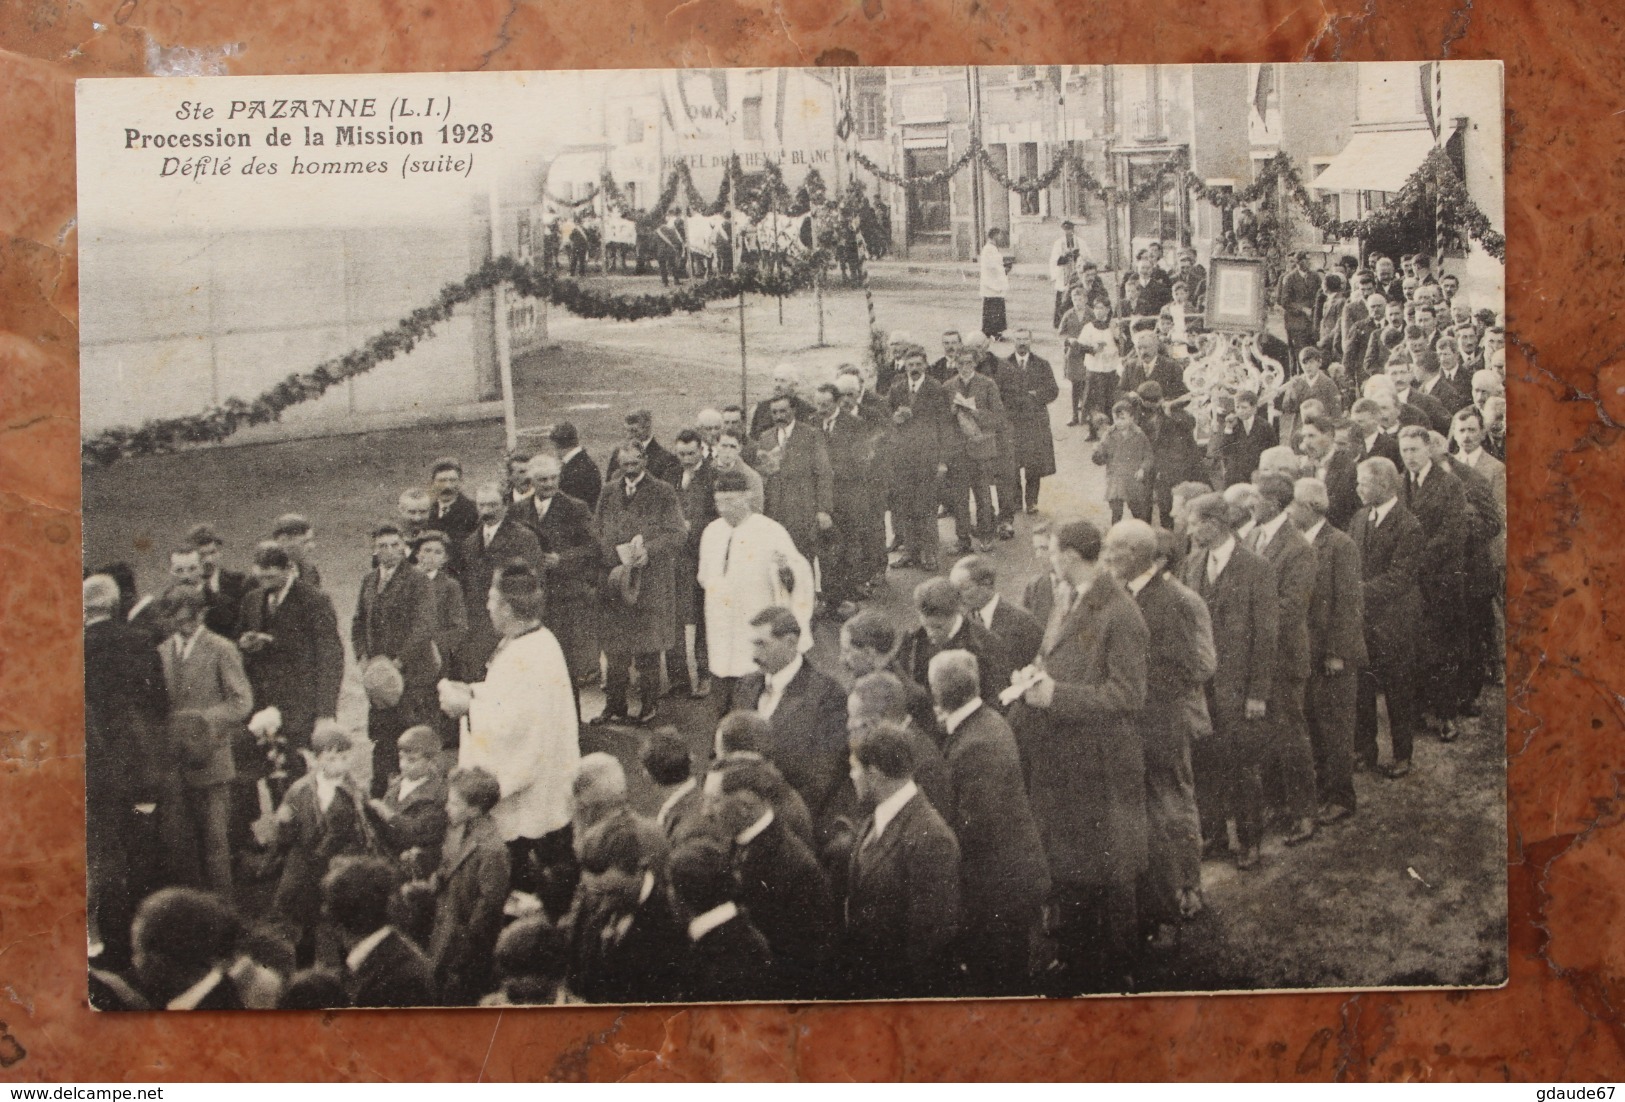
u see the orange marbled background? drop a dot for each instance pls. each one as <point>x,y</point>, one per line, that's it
<point>1558,1019</point>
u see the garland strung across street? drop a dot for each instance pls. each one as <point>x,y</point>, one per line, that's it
<point>1435,179</point>
<point>787,275</point>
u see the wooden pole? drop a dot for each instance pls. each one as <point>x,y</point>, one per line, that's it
<point>499,328</point>
<point>744,383</point>
<point>818,292</point>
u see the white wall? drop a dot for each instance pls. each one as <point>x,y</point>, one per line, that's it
<point>172,325</point>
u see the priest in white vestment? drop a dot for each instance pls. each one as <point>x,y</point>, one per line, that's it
<point>748,562</point>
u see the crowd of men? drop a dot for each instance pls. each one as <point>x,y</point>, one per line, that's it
<point>1007,798</point>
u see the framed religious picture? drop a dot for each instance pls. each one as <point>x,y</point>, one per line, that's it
<point>1235,297</point>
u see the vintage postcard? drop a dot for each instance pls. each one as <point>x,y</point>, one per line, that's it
<point>793,534</point>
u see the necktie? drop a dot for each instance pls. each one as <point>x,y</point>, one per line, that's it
<point>976,618</point>
<point>784,436</point>
<point>1375,516</point>
<point>1212,567</point>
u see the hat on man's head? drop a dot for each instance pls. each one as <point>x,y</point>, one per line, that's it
<point>202,535</point>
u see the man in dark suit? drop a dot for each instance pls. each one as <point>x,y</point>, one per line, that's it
<point>781,885</point>
<point>874,418</point>
<point>1336,648</point>
<point>626,942</point>
<point>381,967</point>
<point>1245,610</point>
<point>451,612</point>
<point>451,511</point>
<point>184,943</point>
<point>1296,295</point>
<point>1333,467</point>
<point>1180,662</point>
<point>945,626</point>
<point>1435,497</point>
<point>697,499</point>
<point>1367,435</point>
<point>1027,386</point>
<point>569,557</point>
<point>1292,565</point>
<point>1004,880</point>
<point>920,423</point>
<point>869,644</point>
<point>222,589</point>
<point>1247,433</point>
<point>785,385</point>
<point>128,761</point>
<point>883,697</point>
<point>1150,364</point>
<point>1404,367</point>
<point>849,442</point>
<point>640,434</point>
<point>977,421</point>
<point>496,542</point>
<point>297,536</point>
<point>902,885</point>
<point>1018,633</point>
<point>805,709</point>
<point>395,617</point>
<point>727,956</point>
<point>1391,546</point>
<point>1077,727</point>
<point>1176,456</point>
<point>1486,564</point>
<point>579,476</point>
<point>666,759</point>
<point>291,648</point>
<point>796,476</point>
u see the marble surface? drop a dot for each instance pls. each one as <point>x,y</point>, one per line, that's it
<point>1558,1019</point>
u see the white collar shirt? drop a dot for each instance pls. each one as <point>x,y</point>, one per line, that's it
<point>1380,513</point>
<point>1311,533</point>
<point>1139,583</point>
<point>189,999</point>
<point>184,644</point>
<point>409,786</point>
<point>889,808</point>
<point>988,611</point>
<point>671,801</point>
<point>357,956</point>
<point>773,685</point>
<point>1267,532</point>
<point>703,924</point>
<point>754,831</point>
<point>1219,557</point>
<point>326,788</point>
<point>953,720</point>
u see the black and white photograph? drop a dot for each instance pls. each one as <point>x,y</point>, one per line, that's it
<point>782,535</point>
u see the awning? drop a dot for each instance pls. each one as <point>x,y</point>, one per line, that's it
<point>1378,161</point>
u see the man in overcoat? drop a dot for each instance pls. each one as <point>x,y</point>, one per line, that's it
<point>639,527</point>
<point>1078,730</point>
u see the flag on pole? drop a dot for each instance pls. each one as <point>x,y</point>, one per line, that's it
<point>1261,93</point>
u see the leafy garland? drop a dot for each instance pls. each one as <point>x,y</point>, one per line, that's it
<point>572,204</point>
<point>169,434</point>
<point>1435,178</point>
